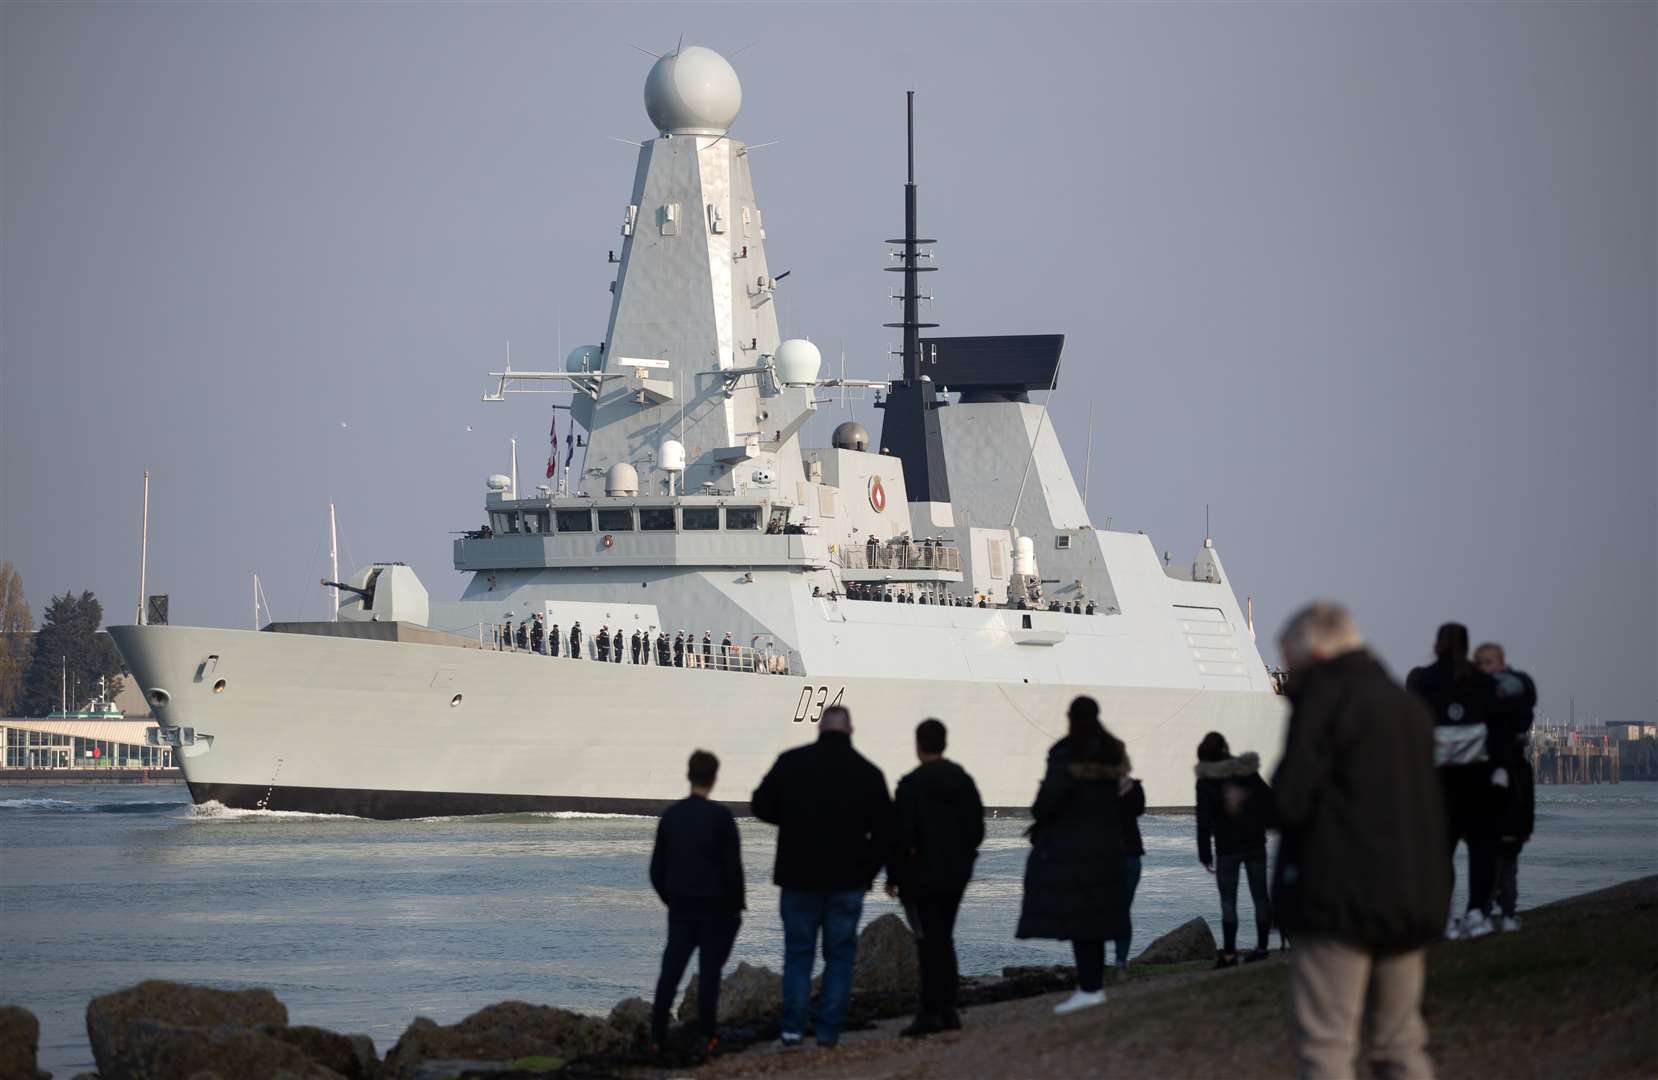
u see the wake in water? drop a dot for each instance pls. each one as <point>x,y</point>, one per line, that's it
<point>217,811</point>
<point>67,806</point>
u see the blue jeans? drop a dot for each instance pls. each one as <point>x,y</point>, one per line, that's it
<point>805,913</point>
<point>1133,864</point>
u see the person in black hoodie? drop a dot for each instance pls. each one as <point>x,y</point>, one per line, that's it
<point>697,870</point>
<point>1361,882</point>
<point>834,834</point>
<point>1132,805</point>
<point>1516,703</point>
<point>1234,812</point>
<point>1076,878</point>
<point>1463,700</point>
<point>940,824</point>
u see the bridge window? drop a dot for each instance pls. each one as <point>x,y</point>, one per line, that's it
<point>701,518</point>
<point>615,520</point>
<point>656,518</point>
<point>535,521</point>
<point>742,518</point>
<point>574,520</point>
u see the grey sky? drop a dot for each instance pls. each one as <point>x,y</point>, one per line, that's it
<point>1378,282</point>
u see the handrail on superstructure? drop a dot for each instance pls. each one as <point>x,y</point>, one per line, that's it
<point>910,556</point>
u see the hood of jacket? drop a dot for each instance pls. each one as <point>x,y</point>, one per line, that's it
<point>1231,768</point>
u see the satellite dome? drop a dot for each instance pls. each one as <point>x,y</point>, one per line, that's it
<point>850,436</point>
<point>584,358</point>
<point>693,92</point>
<point>798,362</point>
<point>621,479</point>
<point>498,482</point>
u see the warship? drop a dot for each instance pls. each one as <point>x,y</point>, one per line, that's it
<point>947,569</point>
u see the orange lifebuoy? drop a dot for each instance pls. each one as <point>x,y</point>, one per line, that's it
<point>609,540</point>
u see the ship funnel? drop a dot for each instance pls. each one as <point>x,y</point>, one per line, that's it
<point>621,479</point>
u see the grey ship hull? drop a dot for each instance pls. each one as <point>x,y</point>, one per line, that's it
<point>364,727</point>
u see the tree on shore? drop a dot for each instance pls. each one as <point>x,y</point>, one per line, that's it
<point>16,637</point>
<point>69,640</point>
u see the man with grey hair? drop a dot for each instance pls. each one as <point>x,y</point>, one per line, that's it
<point>1362,882</point>
<point>834,834</point>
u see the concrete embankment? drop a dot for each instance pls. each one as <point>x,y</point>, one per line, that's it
<point>1573,994</point>
<point>91,776</point>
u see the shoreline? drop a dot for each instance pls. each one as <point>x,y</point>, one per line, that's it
<point>1566,995</point>
<point>49,777</point>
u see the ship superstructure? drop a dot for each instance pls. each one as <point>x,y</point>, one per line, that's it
<point>948,569</point>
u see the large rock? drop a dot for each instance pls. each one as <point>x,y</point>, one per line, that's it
<point>506,1032</point>
<point>886,961</point>
<point>175,1005</point>
<point>631,1018</point>
<point>19,1042</point>
<point>352,1056</point>
<point>152,1051</point>
<point>746,995</point>
<point>1191,940</point>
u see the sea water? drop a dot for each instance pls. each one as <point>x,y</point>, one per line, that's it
<point>360,926</point>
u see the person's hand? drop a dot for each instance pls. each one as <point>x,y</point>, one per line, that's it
<point>892,890</point>
<point>1499,778</point>
<point>1210,867</point>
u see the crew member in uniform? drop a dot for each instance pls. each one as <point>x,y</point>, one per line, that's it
<point>679,649</point>
<point>575,640</point>
<point>634,642</point>
<point>708,648</point>
<point>536,634</point>
<point>664,656</point>
<point>555,641</point>
<point>616,645</point>
<point>523,638</point>
<point>725,652</point>
<point>601,644</point>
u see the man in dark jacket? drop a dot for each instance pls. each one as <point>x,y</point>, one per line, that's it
<point>1516,704</point>
<point>1234,812</point>
<point>940,824</point>
<point>697,870</point>
<point>1362,882</point>
<point>1467,742</point>
<point>834,834</point>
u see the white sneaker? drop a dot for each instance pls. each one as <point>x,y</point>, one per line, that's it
<point>1476,924</point>
<point>1453,929</point>
<point>1510,924</point>
<point>1079,1000</point>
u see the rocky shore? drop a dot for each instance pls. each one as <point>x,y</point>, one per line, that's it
<point>1573,993</point>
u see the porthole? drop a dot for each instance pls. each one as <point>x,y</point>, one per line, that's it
<point>455,702</point>
<point>219,687</point>
<point>159,697</point>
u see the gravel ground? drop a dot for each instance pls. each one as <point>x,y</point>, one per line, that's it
<point>1574,994</point>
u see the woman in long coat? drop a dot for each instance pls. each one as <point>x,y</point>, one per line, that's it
<point>1076,878</point>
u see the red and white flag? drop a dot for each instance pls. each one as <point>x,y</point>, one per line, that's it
<point>552,456</point>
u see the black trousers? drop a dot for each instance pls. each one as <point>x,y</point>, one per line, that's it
<point>933,919</point>
<point>709,935</point>
<point>1254,865</point>
<point>1472,817</point>
<point>1090,957</point>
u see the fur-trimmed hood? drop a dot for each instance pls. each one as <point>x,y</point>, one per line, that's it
<point>1230,769</point>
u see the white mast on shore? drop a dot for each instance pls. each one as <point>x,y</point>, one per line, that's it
<point>334,558</point>
<point>144,549</point>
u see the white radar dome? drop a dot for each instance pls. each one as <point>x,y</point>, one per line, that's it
<point>671,455</point>
<point>798,361</point>
<point>621,479</point>
<point>498,482</point>
<point>694,91</point>
<point>584,358</point>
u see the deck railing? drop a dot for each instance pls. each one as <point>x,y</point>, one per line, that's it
<point>889,556</point>
<point>717,657</point>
